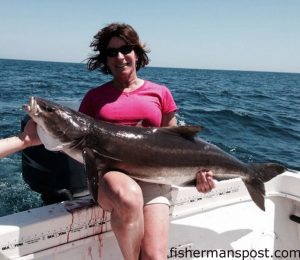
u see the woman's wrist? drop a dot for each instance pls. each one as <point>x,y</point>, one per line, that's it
<point>25,141</point>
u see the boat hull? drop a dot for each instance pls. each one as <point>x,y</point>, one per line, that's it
<point>203,226</point>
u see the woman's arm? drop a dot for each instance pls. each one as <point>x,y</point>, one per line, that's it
<point>17,143</point>
<point>169,120</point>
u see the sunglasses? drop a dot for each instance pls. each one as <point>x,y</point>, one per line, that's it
<point>125,49</point>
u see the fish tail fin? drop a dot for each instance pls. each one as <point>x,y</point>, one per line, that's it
<point>263,172</point>
<point>256,189</point>
<point>267,171</point>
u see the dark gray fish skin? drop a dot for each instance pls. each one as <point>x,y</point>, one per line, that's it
<point>169,155</point>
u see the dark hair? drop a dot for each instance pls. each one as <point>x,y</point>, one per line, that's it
<point>102,38</point>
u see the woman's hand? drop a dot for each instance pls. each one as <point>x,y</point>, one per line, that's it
<point>27,138</point>
<point>29,135</point>
<point>205,182</point>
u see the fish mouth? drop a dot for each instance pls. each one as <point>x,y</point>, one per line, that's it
<point>32,108</point>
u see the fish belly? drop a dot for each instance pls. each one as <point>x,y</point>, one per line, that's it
<point>162,175</point>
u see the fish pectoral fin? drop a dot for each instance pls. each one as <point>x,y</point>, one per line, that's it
<point>256,189</point>
<point>188,132</point>
<point>91,172</point>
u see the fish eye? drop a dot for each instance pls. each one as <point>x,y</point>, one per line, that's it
<point>49,109</point>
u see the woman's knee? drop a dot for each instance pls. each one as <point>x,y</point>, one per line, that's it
<point>120,191</point>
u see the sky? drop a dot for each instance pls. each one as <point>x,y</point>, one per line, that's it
<point>255,35</point>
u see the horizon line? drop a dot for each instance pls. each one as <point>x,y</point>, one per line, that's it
<point>162,67</point>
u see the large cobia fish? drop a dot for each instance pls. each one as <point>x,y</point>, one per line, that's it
<point>168,155</point>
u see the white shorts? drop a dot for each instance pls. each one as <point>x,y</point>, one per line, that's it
<point>154,193</point>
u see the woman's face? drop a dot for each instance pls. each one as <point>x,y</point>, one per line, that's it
<point>121,65</point>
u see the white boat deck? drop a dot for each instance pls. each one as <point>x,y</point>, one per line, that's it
<point>223,224</point>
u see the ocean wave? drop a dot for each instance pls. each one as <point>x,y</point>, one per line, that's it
<point>253,116</point>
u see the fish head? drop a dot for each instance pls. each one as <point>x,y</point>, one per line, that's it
<point>57,126</point>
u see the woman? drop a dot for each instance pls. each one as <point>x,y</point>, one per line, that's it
<point>15,144</point>
<point>139,211</point>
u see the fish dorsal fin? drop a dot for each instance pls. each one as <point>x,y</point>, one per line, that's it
<point>188,132</point>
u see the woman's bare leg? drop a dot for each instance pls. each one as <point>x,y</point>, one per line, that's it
<point>122,196</point>
<point>156,232</point>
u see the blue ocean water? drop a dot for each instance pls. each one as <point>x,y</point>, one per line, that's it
<point>252,115</point>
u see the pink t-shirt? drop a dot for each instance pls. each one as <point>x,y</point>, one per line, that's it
<point>147,104</point>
